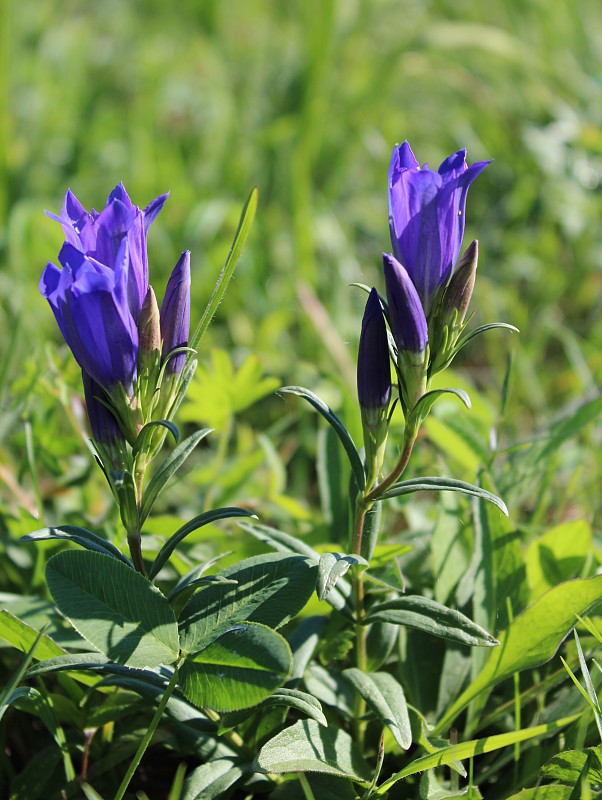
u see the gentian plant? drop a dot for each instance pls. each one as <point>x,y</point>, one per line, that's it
<point>210,638</point>
<point>405,340</point>
<point>327,711</point>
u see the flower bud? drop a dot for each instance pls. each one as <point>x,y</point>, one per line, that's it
<point>374,385</point>
<point>373,366</point>
<point>459,291</point>
<point>149,334</point>
<point>406,315</point>
<point>175,315</point>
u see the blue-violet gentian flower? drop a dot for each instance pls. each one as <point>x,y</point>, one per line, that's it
<point>97,295</point>
<point>427,216</point>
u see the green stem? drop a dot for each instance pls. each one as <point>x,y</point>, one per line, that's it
<point>147,736</point>
<point>135,545</point>
<point>360,629</point>
<point>409,437</point>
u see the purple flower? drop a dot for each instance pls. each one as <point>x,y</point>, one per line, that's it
<point>100,235</point>
<point>175,314</point>
<point>373,366</point>
<point>97,296</point>
<point>406,315</point>
<point>426,216</point>
<point>90,303</point>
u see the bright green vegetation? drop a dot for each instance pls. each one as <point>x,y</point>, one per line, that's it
<point>305,99</point>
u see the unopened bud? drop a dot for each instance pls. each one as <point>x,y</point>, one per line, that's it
<point>459,291</point>
<point>175,315</point>
<point>149,333</point>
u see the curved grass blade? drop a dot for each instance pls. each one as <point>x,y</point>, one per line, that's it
<point>194,524</point>
<point>240,237</point>
<point>81,536</point>
<point>341,431</point>
<point>173,462</point>
<point>439,484</point>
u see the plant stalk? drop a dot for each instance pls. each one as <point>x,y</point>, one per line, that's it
<point>148,735</point>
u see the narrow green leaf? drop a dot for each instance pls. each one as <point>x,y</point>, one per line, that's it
<point>172,463</point>
<point>115,608</point>
<point>145,434</point>
<point>423,407</point>
<point>240,237</point>
<point>532,638</point>
<point>440,484</point>
<point>90,792</point>
<point>385,697</point>
<point>237,670</point>
<point>308,747</point>
<point>10,693</point>
<point>288,698</point>
<point>331,567</point>
<point>270,589</point>
<point>197,522</point>
<point>427,615</point>
<point>591,692</point>
<point>459,752</point>
<point>481,329</point>
<point>81,536</point>
<point>341,431</point>
<point>70,661</point>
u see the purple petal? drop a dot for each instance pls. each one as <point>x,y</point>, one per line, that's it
<point>175,313</point>
<point>103,424</point>
<point>119,193</point>
<point>406,315</point>
<point>152,210</point>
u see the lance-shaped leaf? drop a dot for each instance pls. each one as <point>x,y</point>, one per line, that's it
<point>147,431</point>
<point>81,536</point>
<point>197,522</point>
<point>331,567</point>
<point>10,693</point>
<point>531,639</point>
<point>423,407</point>
<point>439,484</point>
<point>115,608</point>
<point>288,698</point>
<point>172,463</point>
<point>341,431</point>
<point>426,615</point>
<point>213,778</point>
<point>385,697</point>
<point>308,747</point>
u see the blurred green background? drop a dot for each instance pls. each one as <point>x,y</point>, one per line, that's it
<point>305,99</point>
